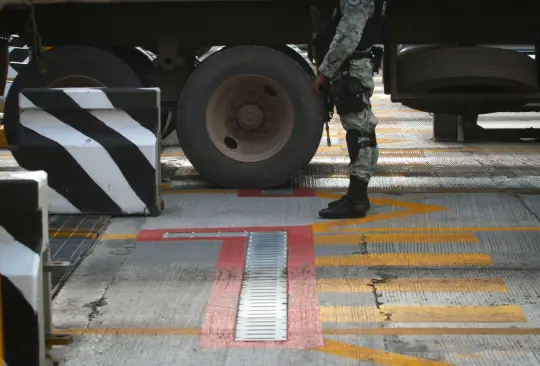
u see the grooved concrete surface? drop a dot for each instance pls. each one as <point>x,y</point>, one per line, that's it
<point>443,273</point>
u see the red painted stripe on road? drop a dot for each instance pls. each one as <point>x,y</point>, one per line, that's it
<point>220,319</point>
<point>304,324</point>
<point>305,329</point>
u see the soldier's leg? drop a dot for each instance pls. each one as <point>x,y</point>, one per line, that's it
<point>363,151</point>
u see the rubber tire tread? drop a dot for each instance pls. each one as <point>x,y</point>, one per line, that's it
<point>426,69</point>
<point>194,138</point>
<point>59,62</point>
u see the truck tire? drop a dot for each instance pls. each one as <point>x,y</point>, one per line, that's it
<point>435,69</point>
<point>247,118</point>
<point>143,66</point>
<point>93,67</point>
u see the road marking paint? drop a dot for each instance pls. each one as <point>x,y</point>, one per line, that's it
<point>462,238</point>
<point>72,234</point>
<point>220,318</point>
<point>331,148</point>
<point>389,141</point>
<point>410,209</point>
<point>435,150</point>
<point>375,356</point>
<point>304,325</point>
<point>413,285</point>
<point>403,259</point>
<point>382,129</point>
<point>118,236</point>
<point>423,314</point>
<point>130,331</point>
<point>444,229</point>
<point>443,330</point>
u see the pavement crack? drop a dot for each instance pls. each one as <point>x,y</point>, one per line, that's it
<point>102,301</point>
<point>95,305</point>
<point>362,245</point>
<point>520,199</point>
<point>377,297</point>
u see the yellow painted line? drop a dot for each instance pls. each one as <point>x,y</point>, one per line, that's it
<point>378,357</point>
<point>1,323</point>
<point>118,236</point>
<point>328,331</point>
<point>408,209</point>
<point>330,148</point>
<point>72,234</point>
<point>401,153</point>
<point>444,229</point>
<point>423,314</point>
<point>130,331</point>
<point>413,285</point>
<point>389,141</point>
<point>432,331</point>
<point>379,174</point>
<point>464,238</point>
<point>403,259</point>
<point>531,149</point>
<point>401,129</point>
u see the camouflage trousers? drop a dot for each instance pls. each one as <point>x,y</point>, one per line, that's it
<point>365,165</point>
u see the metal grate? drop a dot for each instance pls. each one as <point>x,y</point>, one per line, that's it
<point>262,311</point>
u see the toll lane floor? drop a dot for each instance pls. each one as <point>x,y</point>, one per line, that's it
<point>425,279</point>
<point>441,272</point>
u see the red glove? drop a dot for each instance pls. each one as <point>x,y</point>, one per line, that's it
<point>319,83</point>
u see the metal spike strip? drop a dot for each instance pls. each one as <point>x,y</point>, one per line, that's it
<point>262,310</point>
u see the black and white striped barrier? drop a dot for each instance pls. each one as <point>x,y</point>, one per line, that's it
<point>18,59</point>
<point>99,147</point>
<point>23,241</point>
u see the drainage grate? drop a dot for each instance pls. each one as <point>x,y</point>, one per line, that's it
<point>262,311</point>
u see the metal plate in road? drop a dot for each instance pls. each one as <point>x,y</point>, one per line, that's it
<point>262,312</point>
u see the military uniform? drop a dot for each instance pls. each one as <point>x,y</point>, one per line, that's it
<point>349,67</point>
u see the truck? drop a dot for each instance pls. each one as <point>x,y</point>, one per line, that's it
<point>461,59</point>
<point>245,116</point>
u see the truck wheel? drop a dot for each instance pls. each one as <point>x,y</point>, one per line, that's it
<point>72,66</point>
<point>437,69</point>
<point>247,118</point>
<point>143,67</point>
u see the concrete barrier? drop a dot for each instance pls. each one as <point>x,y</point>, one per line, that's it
<point>24,297</point>
<point>99,146</point>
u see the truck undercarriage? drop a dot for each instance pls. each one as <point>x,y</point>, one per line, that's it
<point>245,116</point>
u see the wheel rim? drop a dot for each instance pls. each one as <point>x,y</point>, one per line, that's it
<point>249,118</point>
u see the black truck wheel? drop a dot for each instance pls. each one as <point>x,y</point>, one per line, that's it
<point>437,69</point>
<point>143,65</point>
<point>72,66</point>
<point>247,118</point>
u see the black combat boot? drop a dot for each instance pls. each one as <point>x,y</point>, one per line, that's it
<point>354,204</point>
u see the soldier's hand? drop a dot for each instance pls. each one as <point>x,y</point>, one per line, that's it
<point>319,83</point>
